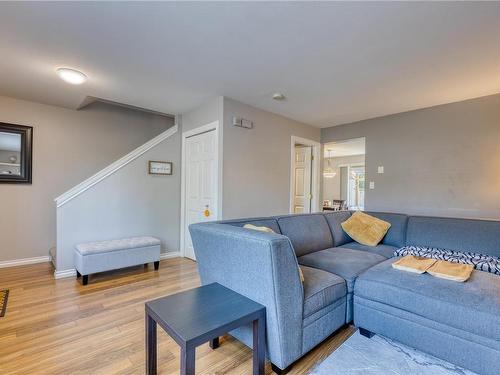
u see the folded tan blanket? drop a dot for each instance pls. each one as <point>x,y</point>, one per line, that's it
<point>451,271</point>
<point>414,264</point>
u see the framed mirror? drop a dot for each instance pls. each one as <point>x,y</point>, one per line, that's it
<point>16,143</point>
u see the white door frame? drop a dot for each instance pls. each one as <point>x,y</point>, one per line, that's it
<point>218,142</point>
<point>315,175</point>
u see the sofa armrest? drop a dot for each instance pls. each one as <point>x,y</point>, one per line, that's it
<point>263,267</point>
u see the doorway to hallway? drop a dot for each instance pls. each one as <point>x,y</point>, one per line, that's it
<point>344,175</point>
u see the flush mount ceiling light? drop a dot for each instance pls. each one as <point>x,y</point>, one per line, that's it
<point>71,76</point>
<point>278,96</point>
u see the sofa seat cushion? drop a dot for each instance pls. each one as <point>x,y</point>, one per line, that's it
<point>100,247</point>
<point>321,289</point>
<point>472,306</point>
<point>386,251</point>
<point>346,263</point>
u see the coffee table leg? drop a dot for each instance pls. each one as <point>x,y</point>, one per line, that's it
<point>259,346</point>
<point>150,345</point>
<point>188,356</point>
<point>214,343</point>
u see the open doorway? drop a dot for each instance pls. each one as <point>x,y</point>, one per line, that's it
<point>344,175</point>
<point>304,175</point>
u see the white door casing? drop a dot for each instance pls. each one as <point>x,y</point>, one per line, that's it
<point>200,180</point>
<point>302,180</point>
<point>314,180</point>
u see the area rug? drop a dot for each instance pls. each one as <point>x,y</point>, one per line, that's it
<point>4,296</point>
<point>381,356</point>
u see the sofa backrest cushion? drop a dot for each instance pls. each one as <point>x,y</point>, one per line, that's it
<point>396,235</point>
<point>269,222</point>
<point>335,219</point>
<point>308,233</point>
<point>478,236</point>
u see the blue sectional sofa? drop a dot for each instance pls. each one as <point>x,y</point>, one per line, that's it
<point>348,282</point>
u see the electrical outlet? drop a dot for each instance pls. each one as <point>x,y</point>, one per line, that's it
<point>372,185</point>
<point>381,169</point>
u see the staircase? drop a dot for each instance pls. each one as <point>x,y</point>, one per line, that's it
<point>121,200</point>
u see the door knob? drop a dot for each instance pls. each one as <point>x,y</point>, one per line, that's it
<point>207,211</point>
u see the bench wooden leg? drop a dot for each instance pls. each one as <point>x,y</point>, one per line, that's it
<point>157,265</point>
<point>366,333</point>
<point>85,279</point>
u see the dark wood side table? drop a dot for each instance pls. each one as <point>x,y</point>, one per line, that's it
<point>200,315</point>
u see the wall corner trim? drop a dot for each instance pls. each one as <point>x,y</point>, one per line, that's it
<point>64,273</point>
<point>112,168</point>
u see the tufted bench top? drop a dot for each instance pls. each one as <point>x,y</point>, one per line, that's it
<point>99,247</point>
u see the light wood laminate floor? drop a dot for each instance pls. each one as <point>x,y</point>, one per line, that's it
<point>61,327</point>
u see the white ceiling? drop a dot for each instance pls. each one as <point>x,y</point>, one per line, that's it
<point>335,62</point>
<point>349,147</point>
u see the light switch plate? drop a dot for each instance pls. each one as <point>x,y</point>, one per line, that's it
<point>381,169</point>
<point>237,121</point>
<point>246,124</point>
<point>372,185</point>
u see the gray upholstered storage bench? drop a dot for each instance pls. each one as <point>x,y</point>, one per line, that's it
<point>93,257</point>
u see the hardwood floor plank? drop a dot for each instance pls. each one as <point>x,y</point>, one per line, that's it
<point>61,327</point>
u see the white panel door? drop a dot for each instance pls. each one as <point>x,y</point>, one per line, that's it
<point>302,180</point>
<point>201,183</point>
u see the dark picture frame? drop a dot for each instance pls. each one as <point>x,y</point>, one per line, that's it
<point>26,153</point>
<point>151,163</point>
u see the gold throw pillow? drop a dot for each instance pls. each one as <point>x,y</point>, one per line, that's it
<point>261,229</point>
<point>365,229</point>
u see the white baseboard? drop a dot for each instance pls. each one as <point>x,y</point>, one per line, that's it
<point>64,273</point>
<point>72,272</point>
<point>21,262</point>
<point>170,254</point>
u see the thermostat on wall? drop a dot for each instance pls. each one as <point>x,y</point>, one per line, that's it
<point>242,123</point>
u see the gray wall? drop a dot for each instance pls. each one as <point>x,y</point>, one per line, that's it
<point>128,203</point>
<point>257,161</point>
<point>69,146</point>
<point>442,160</point>
<point>205,114</point>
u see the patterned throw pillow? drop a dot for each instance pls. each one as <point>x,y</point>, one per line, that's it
<point>480,262</point>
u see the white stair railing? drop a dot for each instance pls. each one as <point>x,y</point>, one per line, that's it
<point>112,168</point>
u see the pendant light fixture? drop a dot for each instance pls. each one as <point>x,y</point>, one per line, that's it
<point>329,172</point>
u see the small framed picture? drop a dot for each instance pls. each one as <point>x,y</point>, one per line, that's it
<point>160,167</point>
